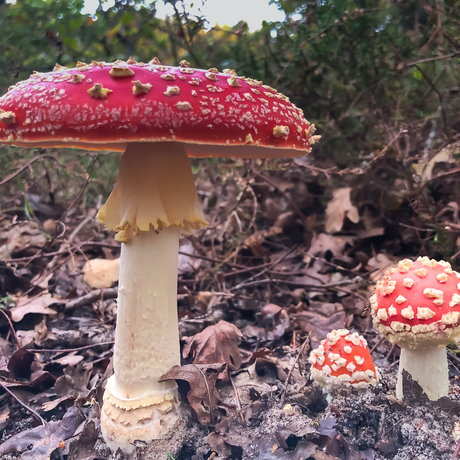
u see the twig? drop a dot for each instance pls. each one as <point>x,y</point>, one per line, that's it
<point>416,228</point>
<point>309,39</point>
<point>69,350</point>
<point>327,262</point>
<point>117,246</point>
<point>392,349</point>
<point>384,150</point>
<point>435,82</point>
<point>62,251</point>
<point>438,93</point>
<point>356,279</point>
<point>379,341</point>
<point>81,191</point>
<point>29,409</point>
<point>11,326</point>
<point>456,451</point>
<point>24,166</point>
<point>355,294</point>
<point>272,265</point>
<point>355,100</point>
<point>87,299</point>
<point>435,58</point>
<point>211,408</point>
<point>81,225</point>
<point>446,173</point>
<point>52,266</point>
<point>184,34</point>
<point>237,397</point>
<point>453,356</point>
<point>288,198</point>
<point>291,370</point>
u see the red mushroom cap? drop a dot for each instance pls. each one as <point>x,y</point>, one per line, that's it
<point>103,106</point>
<point>418,303</point>
<point>343,360</point>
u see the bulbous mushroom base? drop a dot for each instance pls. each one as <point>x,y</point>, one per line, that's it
<point>123,423</point>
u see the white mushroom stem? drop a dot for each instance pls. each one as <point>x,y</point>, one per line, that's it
<point>154,201</point>
<point>147,335</point>
<point>136,405</point>
<point>428,367</point>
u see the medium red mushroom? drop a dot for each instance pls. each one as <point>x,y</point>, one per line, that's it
<point>158,116</point>
<point>343,361</point>
<point>417,306</point>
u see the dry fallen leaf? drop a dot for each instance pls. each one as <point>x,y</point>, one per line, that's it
<point>255,241</point>
<point>318,325</point>
<point>25,235</point>
<point>324,242</point>
<point>101,273</point>
<point>4,415</point>
<point>26,305</point>
<point>188,264</point>
<point>379,263</point>
<point>425,169</point>
<point>202,379</point>
<point>247,384</point>
<point>339,207</point>
<point>35,335</point>
<point>75,380</point>
<point>20,363</point>
<point>215,344</point>
<point>44,439</point>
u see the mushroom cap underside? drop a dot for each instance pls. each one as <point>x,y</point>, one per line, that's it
<point>104,106</point>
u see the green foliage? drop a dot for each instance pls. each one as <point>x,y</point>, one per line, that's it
<point>7,302</point>
<point>354,66</point>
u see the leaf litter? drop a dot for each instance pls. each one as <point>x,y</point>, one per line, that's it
<point>257,290</point>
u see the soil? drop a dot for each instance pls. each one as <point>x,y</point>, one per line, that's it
<point>356,425</point>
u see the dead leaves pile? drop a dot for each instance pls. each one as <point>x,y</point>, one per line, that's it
<point>310,252</point>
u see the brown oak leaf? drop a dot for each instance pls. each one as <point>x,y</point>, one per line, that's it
<point>203,395</point>
<point>215,344</point>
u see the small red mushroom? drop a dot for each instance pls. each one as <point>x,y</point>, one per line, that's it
<point>417,306</point>
<point>343,360</point>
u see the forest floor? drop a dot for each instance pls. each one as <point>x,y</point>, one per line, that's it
<point>280,266</point>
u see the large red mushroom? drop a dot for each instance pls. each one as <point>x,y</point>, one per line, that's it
<point>158,116</point>
<point>417,306</point>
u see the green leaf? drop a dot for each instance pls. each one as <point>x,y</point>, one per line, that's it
<point>127,18</point>
<point>417,74</point>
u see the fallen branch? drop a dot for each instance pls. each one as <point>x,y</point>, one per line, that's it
<point>88,299</point>
<point>69,350</point>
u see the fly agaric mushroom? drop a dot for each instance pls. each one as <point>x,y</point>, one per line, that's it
<point>158,116</point>
<point>417,306</point>
<point>343,361</point>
